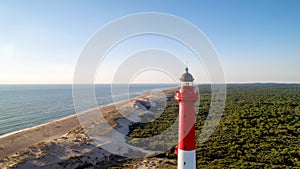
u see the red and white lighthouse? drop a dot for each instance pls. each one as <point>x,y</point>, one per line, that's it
<point>186,97</point>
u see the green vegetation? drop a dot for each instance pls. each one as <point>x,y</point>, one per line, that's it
<point>260,128</point>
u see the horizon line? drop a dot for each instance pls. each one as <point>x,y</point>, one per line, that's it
<point>254,82</point>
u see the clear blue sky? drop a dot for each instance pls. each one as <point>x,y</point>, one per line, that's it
<point>257,40</point>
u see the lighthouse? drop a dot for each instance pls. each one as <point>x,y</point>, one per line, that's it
<point>186,97</point>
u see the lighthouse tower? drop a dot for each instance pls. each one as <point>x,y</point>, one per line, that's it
<point>186,97</point>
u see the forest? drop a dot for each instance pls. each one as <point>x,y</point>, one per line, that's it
<point>260,128</point>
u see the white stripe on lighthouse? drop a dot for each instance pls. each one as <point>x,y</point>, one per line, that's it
<point>186,159</point>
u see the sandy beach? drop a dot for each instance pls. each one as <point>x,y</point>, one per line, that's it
<point>70,142</point>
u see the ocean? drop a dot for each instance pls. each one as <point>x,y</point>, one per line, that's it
<point>24,106</point>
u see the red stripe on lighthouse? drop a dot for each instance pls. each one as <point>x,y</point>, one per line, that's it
<point>186,98</point>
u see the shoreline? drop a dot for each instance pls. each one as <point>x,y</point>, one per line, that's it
<point>69,116</point>
<point>17,141</point>
<point>21,139</point>
<point>70,141</point>
<point>33,127</point>
<point>11,143</point>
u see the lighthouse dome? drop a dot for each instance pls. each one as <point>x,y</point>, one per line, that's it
<point>187,77</point>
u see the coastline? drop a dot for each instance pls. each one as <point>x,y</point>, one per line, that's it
<point>14,147</point>
<point>33,127</point>
<point>24,138</point>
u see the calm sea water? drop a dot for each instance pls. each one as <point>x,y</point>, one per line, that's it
<point>23,106</point>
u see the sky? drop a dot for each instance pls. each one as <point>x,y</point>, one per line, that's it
<point>256,41</point>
